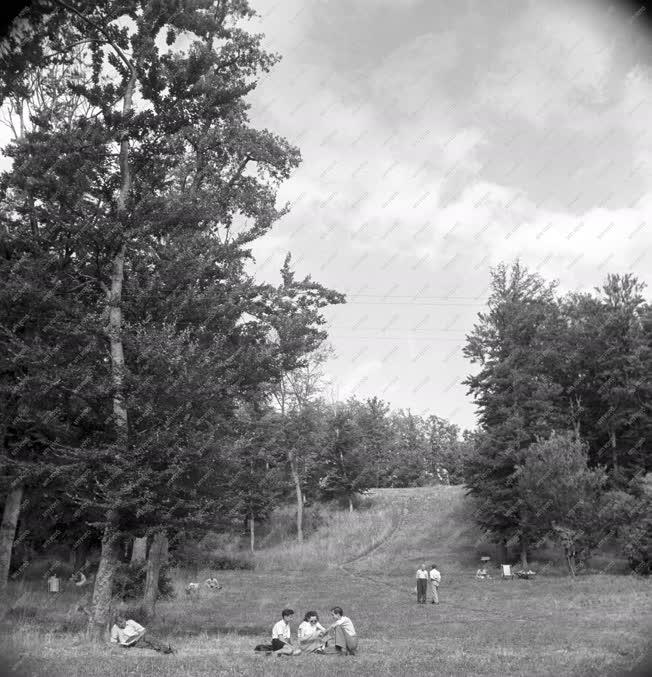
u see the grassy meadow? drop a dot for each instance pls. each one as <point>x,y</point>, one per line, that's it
<point>597,624</point>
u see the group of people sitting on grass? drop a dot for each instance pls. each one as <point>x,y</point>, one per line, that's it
<point>312,636</point>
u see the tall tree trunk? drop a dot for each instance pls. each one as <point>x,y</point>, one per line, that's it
<point>80,551</point>
<point>127,549</point>
<point>350,503</point>
<point>100,613</point>
<point>252,533</point>
<point>502,551</point>
<point>297,488</point>
<point>614,451</point>
<point>157,552</point>
<point>110,556</point>
<point>570,560</point>
<point>139,550</point>
<point>117,353</point>
<point>524,562</point>
<point>10,516</point>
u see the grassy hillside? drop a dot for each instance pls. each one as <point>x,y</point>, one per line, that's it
<point>393,531</point>
<point>397,529</point>
<point>365,562</point>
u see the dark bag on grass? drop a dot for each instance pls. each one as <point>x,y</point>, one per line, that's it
<point>263,647</point>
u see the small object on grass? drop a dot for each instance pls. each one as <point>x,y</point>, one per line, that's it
<point>527,575</point>
<point>54,584</point>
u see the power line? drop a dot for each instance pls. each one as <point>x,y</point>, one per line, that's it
<point>408,329</point>
<point>405,337</point>
<point>476,299</point>
<point>405,303</point>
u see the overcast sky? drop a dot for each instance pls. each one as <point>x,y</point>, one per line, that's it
<point>439,139</point>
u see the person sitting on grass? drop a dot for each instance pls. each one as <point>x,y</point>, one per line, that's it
<point>79,579</point>
<point>310,633</point>
<point>281,635</point>
<point>481,574</point>
<point>344,632</point>
<point>129,633</point>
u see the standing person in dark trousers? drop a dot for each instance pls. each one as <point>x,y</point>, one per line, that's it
<point>422,584</point>
<point>435,580</point>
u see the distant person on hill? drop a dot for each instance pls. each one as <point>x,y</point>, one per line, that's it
<point>310,634</point>
<point>282,635</point>
<point>422,584</point>
<point>346,639</point>
<point>435,580</point>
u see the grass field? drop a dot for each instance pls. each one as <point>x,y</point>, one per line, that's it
<point>593,625</point>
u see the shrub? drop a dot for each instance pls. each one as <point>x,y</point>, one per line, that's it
<point>213,552</point>
<point>638,545</point>
<point>129,582</point>
<point>41,569</point>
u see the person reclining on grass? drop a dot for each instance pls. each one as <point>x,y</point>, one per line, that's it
<point>281,635</point>
<point>128,633</point>
<point>310,633</point>
<point>344,632</point>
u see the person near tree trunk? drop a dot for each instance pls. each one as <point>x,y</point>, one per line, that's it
<point>129,633</point>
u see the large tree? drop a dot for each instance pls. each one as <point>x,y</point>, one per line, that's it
<point>163,152</point>
<point>517,397</point>
<point>560,496</point>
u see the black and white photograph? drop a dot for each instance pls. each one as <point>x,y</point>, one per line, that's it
<point>326,338</point>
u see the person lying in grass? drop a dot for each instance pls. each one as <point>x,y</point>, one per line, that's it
<point>343,631</point>
<point>310,633</point>
<point>129,633</point>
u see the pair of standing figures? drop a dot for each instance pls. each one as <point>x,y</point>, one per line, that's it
<point>428,578</point>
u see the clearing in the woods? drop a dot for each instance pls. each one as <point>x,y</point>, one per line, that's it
<point>596,624</point>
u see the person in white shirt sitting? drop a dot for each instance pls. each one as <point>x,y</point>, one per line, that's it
<point>282,635</point>
<point>126,632</point>
<point>310,634</point>
<point>435,580</point>
<point>345,635</point>
<point>422,584</point>
<point>481,574</point>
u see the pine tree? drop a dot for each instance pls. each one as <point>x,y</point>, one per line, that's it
<point>517,397</point>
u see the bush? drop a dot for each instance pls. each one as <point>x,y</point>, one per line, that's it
<point>638,546</point>
<point>41,569</point>
<point>216,551</point>
<point>221,561</point>
<point>129,582</point>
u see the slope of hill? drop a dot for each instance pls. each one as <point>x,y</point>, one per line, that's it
<point>399,528</point>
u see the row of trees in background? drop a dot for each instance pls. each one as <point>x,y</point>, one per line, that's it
<point>563,392</point>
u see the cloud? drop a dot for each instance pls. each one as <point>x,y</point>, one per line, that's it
<point>358,378</point>
<point>554,67</point>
